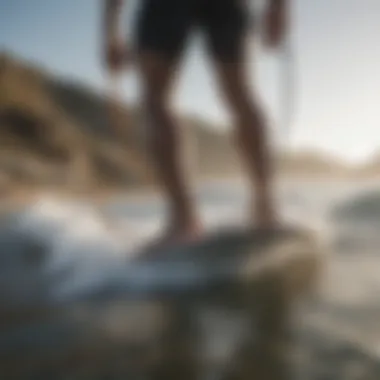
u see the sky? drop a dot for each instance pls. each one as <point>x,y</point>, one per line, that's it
<point>335,67</point>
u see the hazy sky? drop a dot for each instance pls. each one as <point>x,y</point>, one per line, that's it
<point>337,71</point>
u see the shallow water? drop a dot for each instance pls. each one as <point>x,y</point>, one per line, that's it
<point>84,247</point>
<point>75,233</point>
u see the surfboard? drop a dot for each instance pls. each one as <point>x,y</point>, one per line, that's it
<point>225,257</point>
<point>245,269</point>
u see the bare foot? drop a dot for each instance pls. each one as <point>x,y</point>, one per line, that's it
<point>174,236</point>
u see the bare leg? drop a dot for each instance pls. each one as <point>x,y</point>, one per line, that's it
<point>251,136</point>
<point>158,75</point>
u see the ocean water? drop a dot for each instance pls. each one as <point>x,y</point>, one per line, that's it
<point>55,250</point>
<point>92,241</point>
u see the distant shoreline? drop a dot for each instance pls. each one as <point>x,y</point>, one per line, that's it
<point>23,196</point>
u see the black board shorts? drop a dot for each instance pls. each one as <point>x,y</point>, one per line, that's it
<point>163,26</point>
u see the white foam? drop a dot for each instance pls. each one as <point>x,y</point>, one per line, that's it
<point>75,236</point>
<point>71,235</point>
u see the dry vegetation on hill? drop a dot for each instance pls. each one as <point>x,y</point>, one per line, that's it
<point>56,133</point>
<point>45,139</point>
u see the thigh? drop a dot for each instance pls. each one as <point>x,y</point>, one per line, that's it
<point>225,24</point>
<point>162,26</point>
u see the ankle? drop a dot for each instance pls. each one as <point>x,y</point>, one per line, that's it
<point>183,221</point>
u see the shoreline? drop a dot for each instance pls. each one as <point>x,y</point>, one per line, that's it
<point>23,195</point>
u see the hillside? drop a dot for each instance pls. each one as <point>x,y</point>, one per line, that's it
<point>44,125</point>
<point>370,168</point>
<point>56,133</point>
<point>312,164</point>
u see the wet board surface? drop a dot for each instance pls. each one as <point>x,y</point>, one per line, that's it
<point>53,305</point>
<point>231,242</point>
<point>220,259</point>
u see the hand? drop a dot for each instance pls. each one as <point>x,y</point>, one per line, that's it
<point>115,55</point>
<point>275,24</point>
